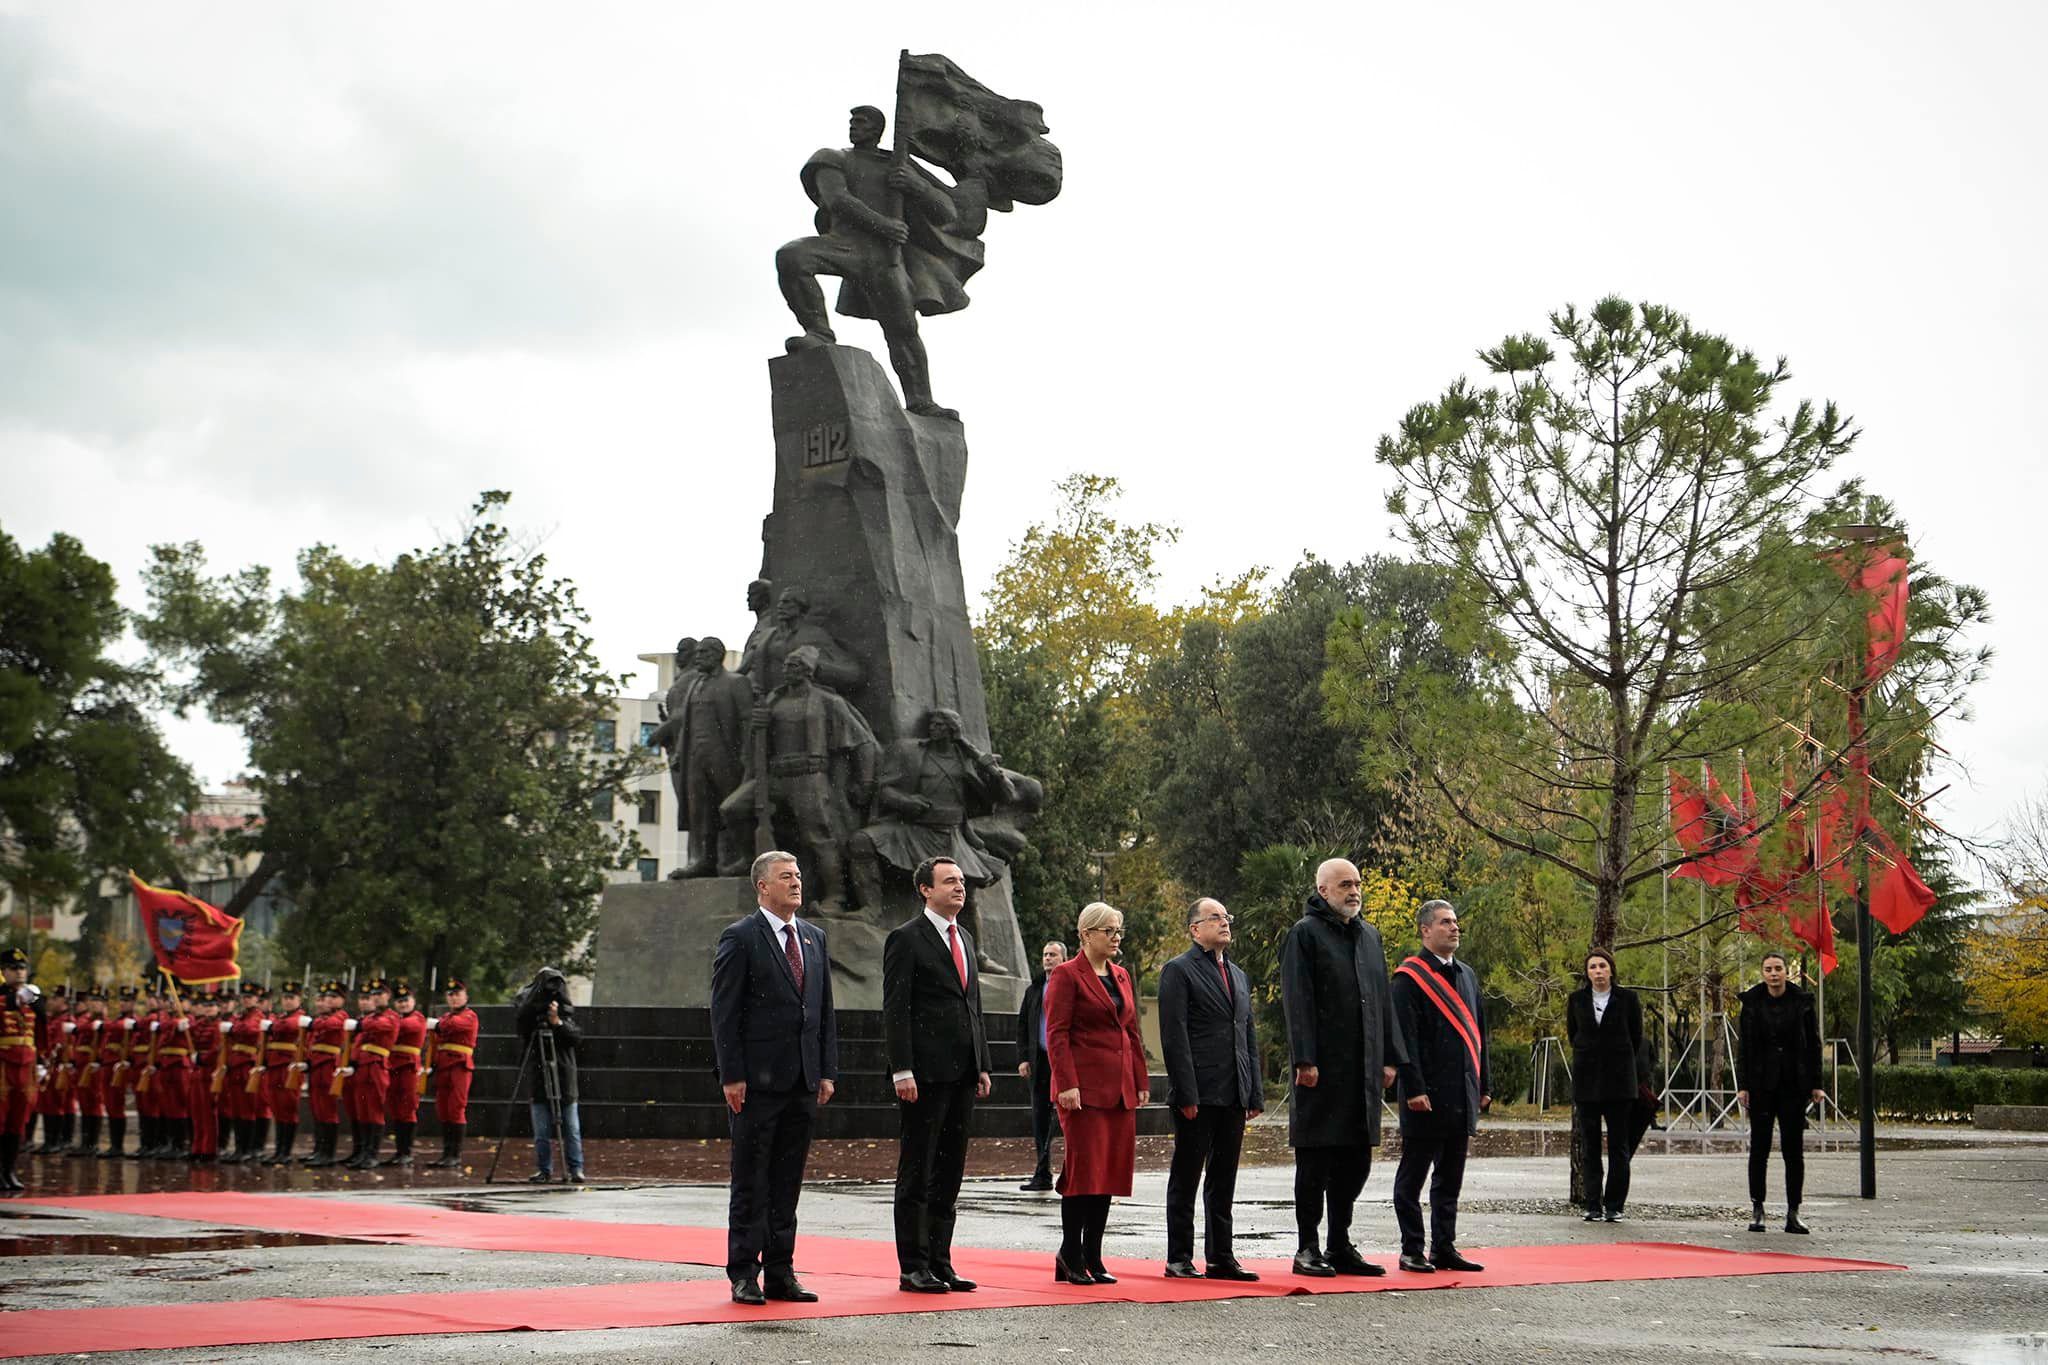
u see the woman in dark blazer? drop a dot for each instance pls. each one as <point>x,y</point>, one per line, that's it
<point>1098,1084</point>
<point>1605,1024</point>
<point>1777,1061</point>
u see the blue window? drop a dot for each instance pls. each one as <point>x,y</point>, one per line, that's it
<point>601,805</point>
<point>607,736</point>
<point>647,729</point>
<point>650,869</point>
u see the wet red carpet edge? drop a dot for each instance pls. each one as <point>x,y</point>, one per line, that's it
<point>853,1277</point>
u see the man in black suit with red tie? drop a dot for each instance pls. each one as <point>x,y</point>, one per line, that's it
<point>939,1060</point>
<point>1213,1087</point>
<point>777,1045</point>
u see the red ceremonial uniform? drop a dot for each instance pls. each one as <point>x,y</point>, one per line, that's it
<point>116,1073</point>
<point>22,1035</point>
<point>245,1054</point>
<point>56,1057</point>
<point>369,1088</point>
<point>85,1064</point>
<point>142,1073</point>
<point>285,1045</point>
<point>325,1042</point>
<point>206,1044</point>
<point>173,1066</point>
<point>454,1063</point>
<point>403,1098</point>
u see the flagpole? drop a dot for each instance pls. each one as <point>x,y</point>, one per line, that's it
<point>899,156</point>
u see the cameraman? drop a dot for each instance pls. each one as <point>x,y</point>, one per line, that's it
<point>544,1004</point>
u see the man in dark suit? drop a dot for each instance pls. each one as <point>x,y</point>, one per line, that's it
<point>1213,1087</point>
<point>1445,1084</point>
<point>938,1058</point>
<point>1036,1067</point>
<point>777,1045</point>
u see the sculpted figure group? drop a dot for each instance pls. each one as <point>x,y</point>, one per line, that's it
<point>775,748</point>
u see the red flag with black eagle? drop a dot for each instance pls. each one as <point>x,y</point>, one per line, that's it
<point>193,941</point>
<point>1714,830</point>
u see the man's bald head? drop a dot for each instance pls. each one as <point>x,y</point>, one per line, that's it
<point>1337,882</point>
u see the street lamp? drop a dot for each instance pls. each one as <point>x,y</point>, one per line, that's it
<point>1863,536</point>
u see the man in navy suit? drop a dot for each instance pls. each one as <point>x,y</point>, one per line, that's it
<point>777,1045</point>
<point>939,1060</point>
<point>1213,1087</point>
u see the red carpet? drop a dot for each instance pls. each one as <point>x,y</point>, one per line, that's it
<point>852,1277</point>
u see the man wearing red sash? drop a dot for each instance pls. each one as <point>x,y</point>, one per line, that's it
<point>1444,1086</point>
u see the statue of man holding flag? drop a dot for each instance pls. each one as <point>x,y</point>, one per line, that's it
<point>901,240</point>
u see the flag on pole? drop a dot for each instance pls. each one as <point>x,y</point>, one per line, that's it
<point>194,942</point>
<point>1710,827</point>
<point>1899,899</point>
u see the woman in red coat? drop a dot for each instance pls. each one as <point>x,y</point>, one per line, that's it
<point>1099,1081</point>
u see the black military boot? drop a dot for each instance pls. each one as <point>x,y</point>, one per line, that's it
<point>325,1136</point>
<point>355,1149</point>
<point>145,1142</point>
<point>281,1154</point>
<point>258,1132</point>
<point>451,1145</point>
<point>117,1136</point>
<point>373,1138</point>
<point>10,1151</point>
<point>181,1140</point>
<point>401,1154</point>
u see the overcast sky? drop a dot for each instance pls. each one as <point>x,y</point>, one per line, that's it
<point>278,273</point>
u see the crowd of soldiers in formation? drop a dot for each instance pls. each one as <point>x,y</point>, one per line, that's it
<point>214,1073</point>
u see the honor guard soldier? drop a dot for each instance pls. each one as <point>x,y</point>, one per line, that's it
<point>283,1048</point>
<point>174,1076</point>
<point>54,1102</point>
<point>241,1093</point>
<point>117,1070</point>
<point>21,1035</point>
<point>85,1070</point>
<point>454,1054</point>
<point>147,1026</point>
<point>208,1074</point>
<point>326,1041</point>
<point>402,1101</point>
<point>369,1073</point>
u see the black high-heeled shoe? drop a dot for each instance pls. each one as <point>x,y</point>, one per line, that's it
<point>1100,1276</point>
<point>1062,1273</point>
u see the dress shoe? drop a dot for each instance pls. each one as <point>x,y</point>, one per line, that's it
<point>958,1284</point>
<point>1182,1270</point>
<point>1416,1265</point>
<point>747,1292</point>
<point>786,1289</point>
<point>1036,1185</point>
<point>1345,1260</point>
<point>1062,1273</point>
<point>921,1282</point>
<point>1451,1260</point>
<point>1100,1276</point>
<point>1614,1215</point>
<point>1230,1270</point>
<point>1312,1264</point>
<point>1593,1215</point>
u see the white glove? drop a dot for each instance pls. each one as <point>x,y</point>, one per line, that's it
<point>155,1024</point>
<point>348,1071</point>
<point>305,1021</point>
<point>296,1066</point>
<point>266,1026</point>
<point>42,1074</point>
<point>433,1024</point>
<point>183,1023</point>
<point>70,1027</point>
<point>127,1023</point>
<point>27,994</point>
<point>348,1026</point>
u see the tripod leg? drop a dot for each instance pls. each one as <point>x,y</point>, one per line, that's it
<point>505,1117</point>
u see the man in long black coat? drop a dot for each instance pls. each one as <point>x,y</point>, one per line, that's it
<point>1035,1066</point>
<point>1340,1035</point>
<point>1446,1084</point>
<point>1213,1087</point>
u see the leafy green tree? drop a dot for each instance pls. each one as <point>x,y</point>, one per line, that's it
<point>87,786</point>
<point>423,735</point>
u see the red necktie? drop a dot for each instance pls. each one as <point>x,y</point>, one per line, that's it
<point>1224,972</point>
<point>796,956</point>
<point>959,958</point>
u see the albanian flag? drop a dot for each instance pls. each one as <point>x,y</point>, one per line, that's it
<point>193,941</point>
<point>1879,575</point>
<point>1709,826</point>
<point>1899,899</point>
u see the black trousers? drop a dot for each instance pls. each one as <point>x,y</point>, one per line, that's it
<point>771,1137</point>
<point>1205,1152</point>
<point>1433,1143</point>
<point>1587,1118</point>
<point>1332,1177</point>
<point>931,1157</point>
<point>1045,1125</point>
<point>1788,1114</point>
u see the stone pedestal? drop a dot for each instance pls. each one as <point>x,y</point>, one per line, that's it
<point>655,941</point>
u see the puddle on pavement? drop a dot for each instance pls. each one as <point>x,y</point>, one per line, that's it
<point>99,1244</point>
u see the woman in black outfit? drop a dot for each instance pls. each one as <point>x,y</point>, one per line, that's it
<point>1605,1025</point>
<point>1778,1062</point>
